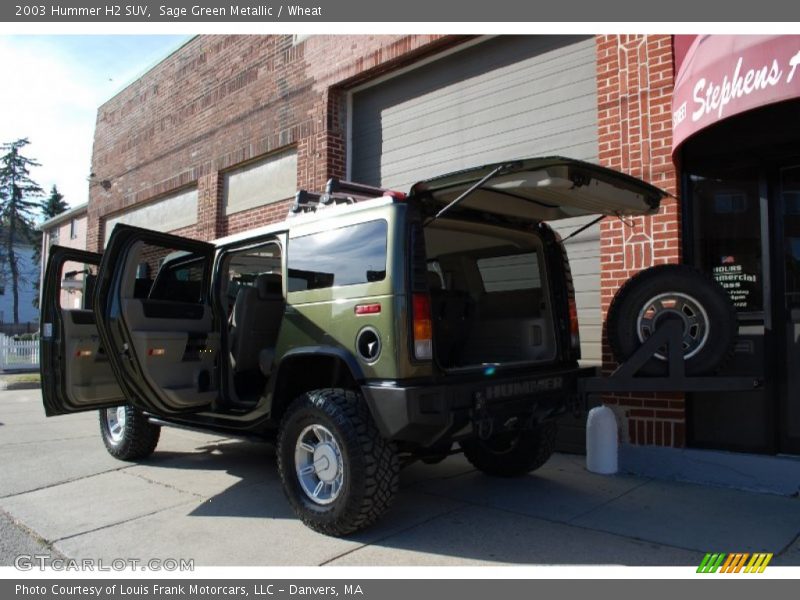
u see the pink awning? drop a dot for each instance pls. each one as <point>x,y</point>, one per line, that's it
<point>724,75</point>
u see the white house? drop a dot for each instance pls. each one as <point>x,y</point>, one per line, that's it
<point>29,274</point>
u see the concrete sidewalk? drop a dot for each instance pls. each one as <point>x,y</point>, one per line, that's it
<point>219,502</point>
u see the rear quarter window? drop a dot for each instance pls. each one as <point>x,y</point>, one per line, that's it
<point>343,256</point>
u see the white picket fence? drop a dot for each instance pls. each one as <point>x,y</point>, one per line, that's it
<point>18,355</point>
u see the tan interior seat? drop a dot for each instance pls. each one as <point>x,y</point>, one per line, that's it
<point>255,321</point>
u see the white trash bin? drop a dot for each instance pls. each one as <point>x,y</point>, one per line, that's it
<point>602,441</point>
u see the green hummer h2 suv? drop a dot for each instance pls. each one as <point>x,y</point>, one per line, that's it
<point>369,329</point>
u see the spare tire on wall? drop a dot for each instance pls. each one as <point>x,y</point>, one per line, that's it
<point>673,292</point>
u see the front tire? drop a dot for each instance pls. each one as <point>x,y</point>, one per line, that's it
<point>339,474</point>
<point>512,454</point>
<point>127,433</point>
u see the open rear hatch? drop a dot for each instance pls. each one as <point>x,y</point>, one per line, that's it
<point>541,189</point>
<point>490,277</point>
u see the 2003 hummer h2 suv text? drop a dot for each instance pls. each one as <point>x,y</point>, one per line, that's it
<point>369,329</point>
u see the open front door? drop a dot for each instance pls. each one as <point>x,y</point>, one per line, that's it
<point>76,373</point>
<point>155,318</point>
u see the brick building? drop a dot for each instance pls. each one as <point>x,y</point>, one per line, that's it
<point>217,137</point>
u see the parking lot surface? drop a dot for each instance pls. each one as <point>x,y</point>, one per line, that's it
<point>219,502</point>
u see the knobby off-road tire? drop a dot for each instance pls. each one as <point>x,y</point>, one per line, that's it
<point>677,292</point>
<point>512,454</point>
<point>328,444</point>
<point>127,434</point>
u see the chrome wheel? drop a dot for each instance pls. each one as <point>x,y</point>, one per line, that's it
<point>318,464</point>
<point>680,307</point>
<point>115,419</point>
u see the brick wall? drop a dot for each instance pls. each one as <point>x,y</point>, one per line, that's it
<point>153,255</point>
<point>635,79</point>
<point>220,101</point>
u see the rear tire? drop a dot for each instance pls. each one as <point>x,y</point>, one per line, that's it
<point>339,474</point>
<point>676,292</point>
<point>127,433</point>
<point>512,454</point>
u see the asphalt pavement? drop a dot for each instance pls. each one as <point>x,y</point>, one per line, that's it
<point>219,502</point>
<point>16,540</point>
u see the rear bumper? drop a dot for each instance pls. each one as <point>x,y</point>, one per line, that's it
<point>424,414</point>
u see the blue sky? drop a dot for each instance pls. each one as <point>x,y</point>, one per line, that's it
<point>53,86</point>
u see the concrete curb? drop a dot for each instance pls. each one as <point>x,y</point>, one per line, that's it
<point>751,472</point>
<point>19,385</point>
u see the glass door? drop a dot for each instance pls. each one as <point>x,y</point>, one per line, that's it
<point>726,208</point>
<point>789,422</point>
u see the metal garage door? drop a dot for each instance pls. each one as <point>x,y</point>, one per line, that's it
<point>504,98</point>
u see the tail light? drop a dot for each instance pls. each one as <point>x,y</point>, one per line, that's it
<point>422,328</point>
<point>397,196</point>
<point>421,324</point>
<point>574,330</point>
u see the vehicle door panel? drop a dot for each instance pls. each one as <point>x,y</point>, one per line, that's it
<point>76,373</point>
<point>166,347</point>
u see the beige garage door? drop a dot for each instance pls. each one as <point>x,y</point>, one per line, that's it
<point>504,98</point>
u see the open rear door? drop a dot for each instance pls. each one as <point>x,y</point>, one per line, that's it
<point>76,373</point>
<point>540,189</point>
<point>155,318</point>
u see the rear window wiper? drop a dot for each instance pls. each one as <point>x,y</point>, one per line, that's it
<point>493,173</point>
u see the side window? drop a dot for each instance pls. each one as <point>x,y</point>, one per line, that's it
<point>77,281</point>
<point>345,256</point>
<point>510,272</point>
<point>180,276</point>
<point>245,267</point>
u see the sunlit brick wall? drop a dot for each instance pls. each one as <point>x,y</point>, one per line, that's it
<point>635,79</point>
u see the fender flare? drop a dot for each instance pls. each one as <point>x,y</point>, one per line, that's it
<point>279,373</point>
<point>340,353</point>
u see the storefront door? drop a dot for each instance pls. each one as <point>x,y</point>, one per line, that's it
<point>746,234</point>
<point>788,192</point>
<point>728,210</point>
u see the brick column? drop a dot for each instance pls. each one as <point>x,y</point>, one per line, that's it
<point>94,237</point>
<point>101,203</point>
<point>336,109</point>
<point>209,206</point>
<point>635,80</point>
<point>321,151</point>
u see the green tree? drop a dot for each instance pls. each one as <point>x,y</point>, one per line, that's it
<point>17,209</point>
<point>51,206</point>
<point>54,204</point>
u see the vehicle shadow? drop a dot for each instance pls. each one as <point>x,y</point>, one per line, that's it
<point>444,514</point>
<point>236,473</point>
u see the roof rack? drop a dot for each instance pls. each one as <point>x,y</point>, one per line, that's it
<point>337,186</point>
<point>305,202</point>
<point>338,192</point>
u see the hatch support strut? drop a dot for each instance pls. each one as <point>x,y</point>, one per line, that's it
<point>494,172</point>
